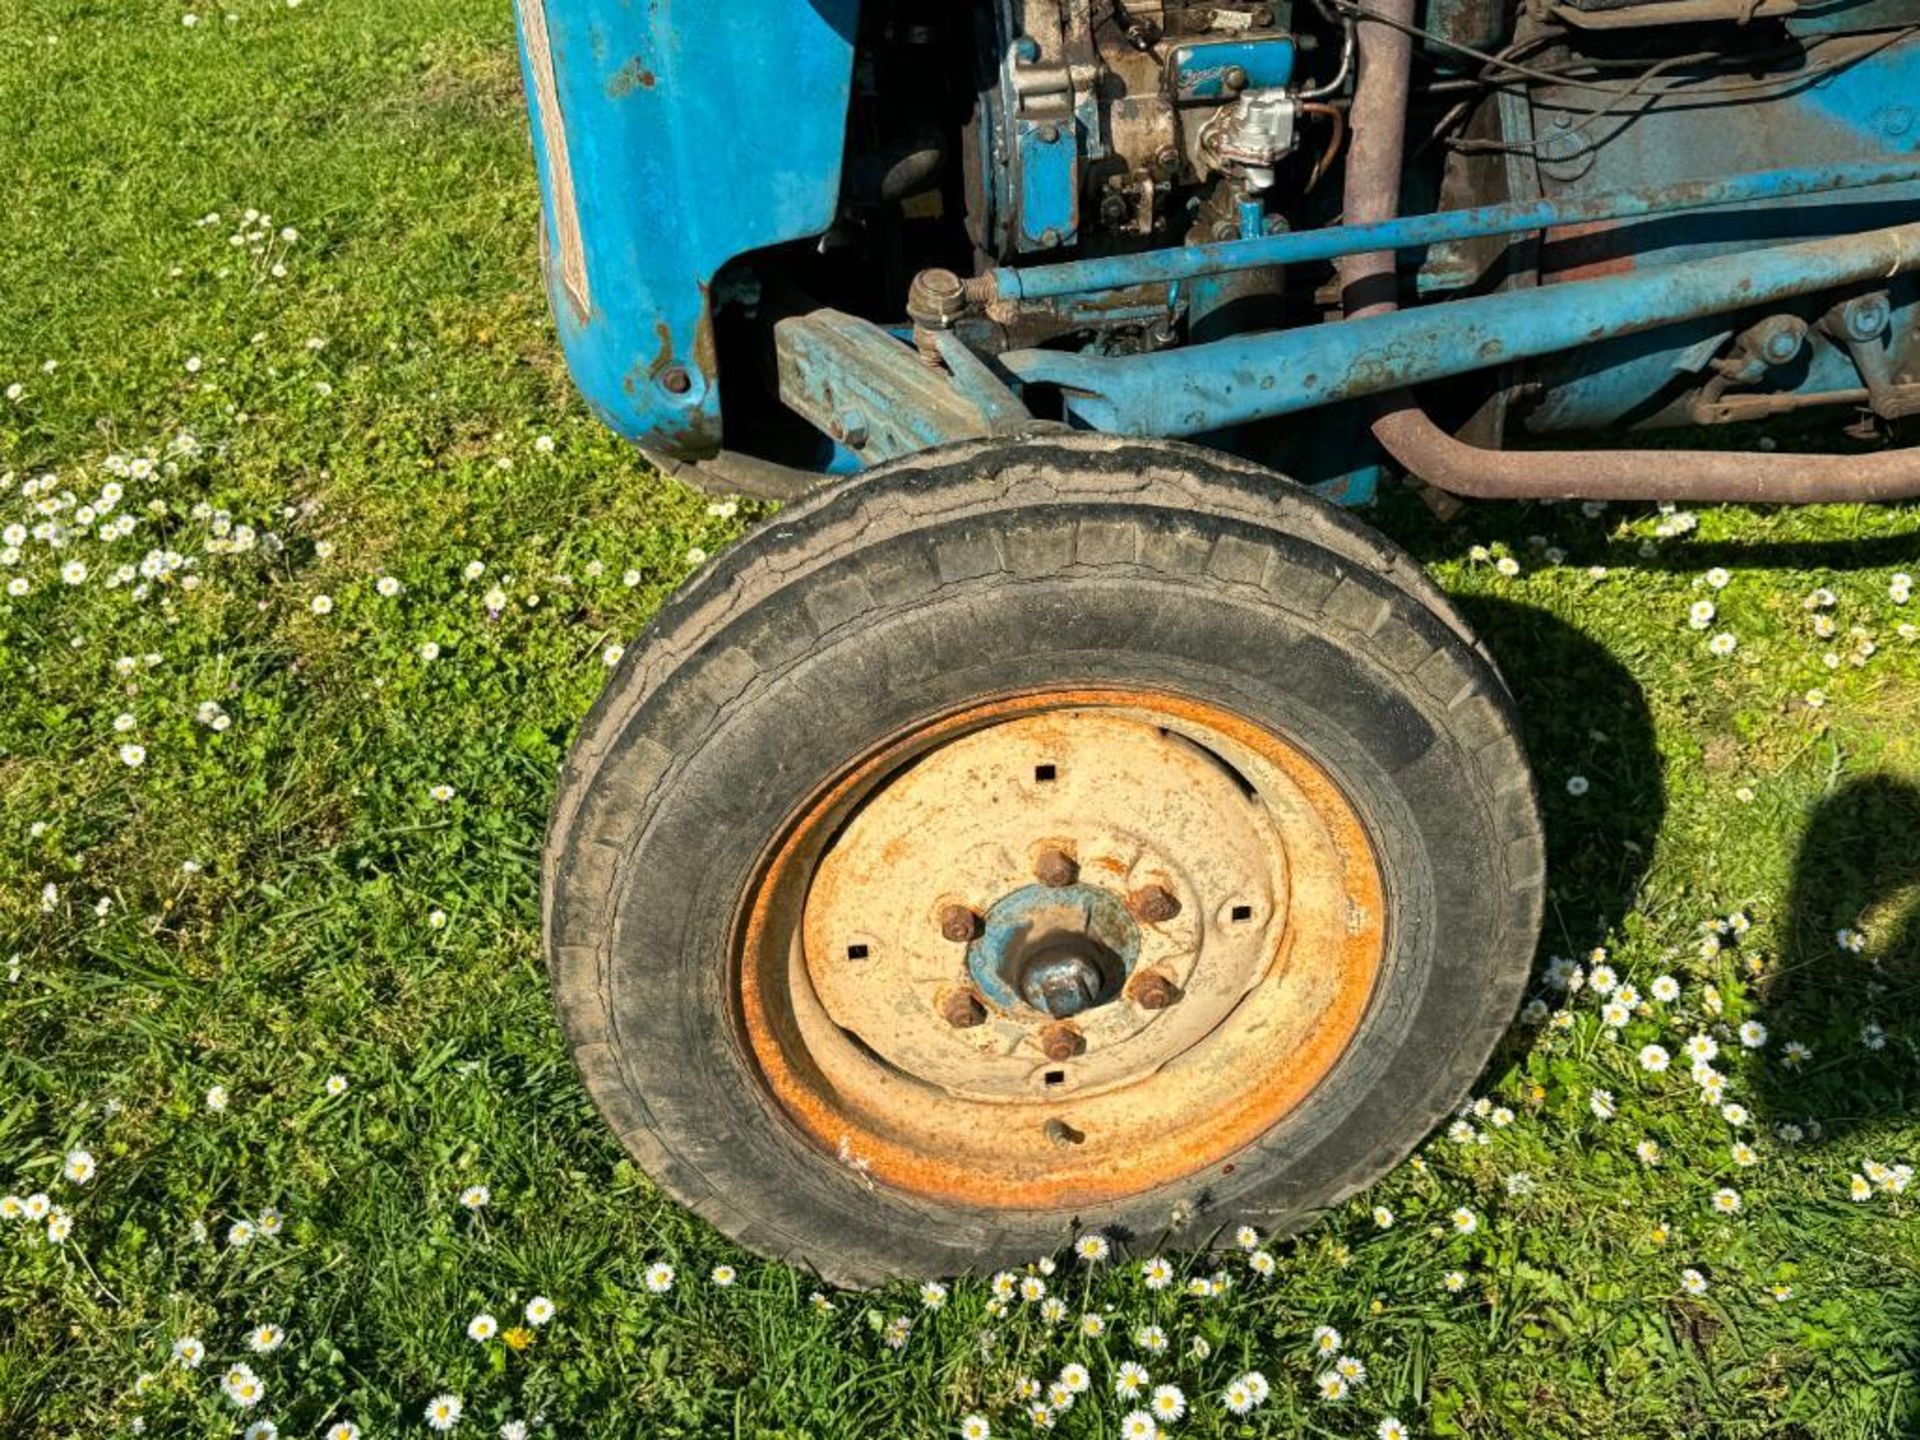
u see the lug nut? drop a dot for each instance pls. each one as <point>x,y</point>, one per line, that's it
<point>1060,1042</point>
<point>1153,904</point>
<point>959,924</point>
<point>1057,868</point>
<point>1152,991</point>
<point>962,1009</point>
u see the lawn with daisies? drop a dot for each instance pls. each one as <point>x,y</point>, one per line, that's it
<point>310,563</point>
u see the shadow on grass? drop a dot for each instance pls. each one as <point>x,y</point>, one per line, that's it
<point>1857,868</point>
<point>1582,713</point>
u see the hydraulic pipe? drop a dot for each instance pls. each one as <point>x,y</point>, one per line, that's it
<point>1406,432</point>
<point>1413,232</point>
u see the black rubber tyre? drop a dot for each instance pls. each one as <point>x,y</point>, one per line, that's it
<point>975,569</point>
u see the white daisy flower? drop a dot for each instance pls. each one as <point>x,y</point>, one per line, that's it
<point>242,1387</point>
<point>1168,1403</point>
<point>443,1412</point>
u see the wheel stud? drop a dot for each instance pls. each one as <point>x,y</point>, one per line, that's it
<point>1151,990</point>
<point>1153,904</point>
<point>1060,1042</point>
<point>962,1009</point>
<point>1056,867</point>
<point>959,924</point>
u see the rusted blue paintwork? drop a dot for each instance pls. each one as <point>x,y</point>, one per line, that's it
<point>673,136</point>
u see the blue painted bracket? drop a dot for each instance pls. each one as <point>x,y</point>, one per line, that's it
<point>634,106</point>
<point>1203,70</point>
<point>1204,388</point>
<point>876,396</point>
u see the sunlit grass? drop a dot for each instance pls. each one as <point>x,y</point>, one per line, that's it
<point>364,388</point>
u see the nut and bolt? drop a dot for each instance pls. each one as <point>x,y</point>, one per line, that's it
<point>675,380</point>
<point>1063,984</point>
<point>1055,867</point>
<point>962,1009</point>
<point>1060,1042</point>
<point>1153,904</point>
<point>959,924</point>
<point>936,299</point>
<point>1152,991</point>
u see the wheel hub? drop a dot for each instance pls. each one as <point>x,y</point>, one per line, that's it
<point>1131,922</point>
<point>1056,950</point>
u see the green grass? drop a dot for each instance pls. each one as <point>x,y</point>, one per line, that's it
<point>304,944</point>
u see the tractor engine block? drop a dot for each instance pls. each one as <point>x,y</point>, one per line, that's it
<point>1105,124</point>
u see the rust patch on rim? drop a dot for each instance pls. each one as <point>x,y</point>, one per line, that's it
<point>1190,1105</point>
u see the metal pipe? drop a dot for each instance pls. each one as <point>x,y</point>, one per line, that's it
<point>1406,432</point>
<point>1412,232</point>
<point>1202,388</point>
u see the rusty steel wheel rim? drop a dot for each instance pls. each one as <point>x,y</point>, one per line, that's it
<point>1059,948</point>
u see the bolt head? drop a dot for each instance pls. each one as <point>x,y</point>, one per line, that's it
<point>1153,904</point>
<point>1061,1042</point>
<point>1152,991</point>
<point>962,1009</point>
<point>1056,867</point>
<point>1062,985</point>
<point>675,380</point>
<point>959,924</point>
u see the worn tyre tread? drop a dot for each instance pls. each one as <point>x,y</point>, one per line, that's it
<point>969,512</point>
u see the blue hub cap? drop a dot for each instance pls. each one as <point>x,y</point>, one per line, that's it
<point>1059,950</point>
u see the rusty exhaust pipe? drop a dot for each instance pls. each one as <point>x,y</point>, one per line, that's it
<point>1370,283</point>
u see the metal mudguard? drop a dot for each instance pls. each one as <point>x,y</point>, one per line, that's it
<point>673,136</point>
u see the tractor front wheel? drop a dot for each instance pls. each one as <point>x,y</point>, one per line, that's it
<point>1029,836</point>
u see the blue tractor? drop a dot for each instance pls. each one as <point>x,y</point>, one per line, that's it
<point>1065,815</point>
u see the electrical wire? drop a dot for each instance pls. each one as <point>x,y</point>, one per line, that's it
<point>1801,76</point>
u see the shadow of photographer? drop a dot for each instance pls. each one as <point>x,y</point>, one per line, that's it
<point>1847,979</point>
